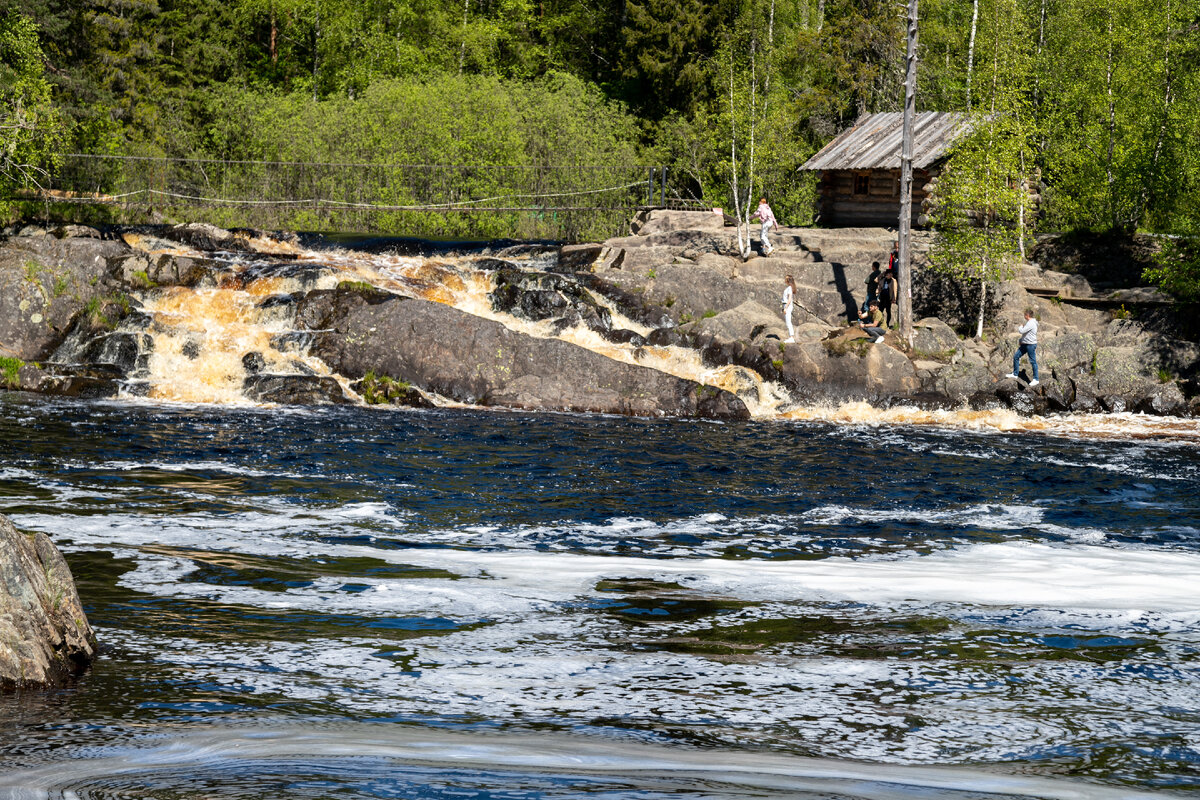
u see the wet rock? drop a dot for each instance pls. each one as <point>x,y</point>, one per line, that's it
<point>624,336</point>
<point>927,401</point>
<point>191,349</point>
<point>253,363</point>
<point>1020,399</point>
<point>1114,403</point>
<point>984,400</point>
<point>292,342</point>
<point>44,633</point>
<point>1058,396</point>
<point>203,236</point>
<point>474,360</point>
<point>77,232</point>
<point>128,351</point>
<point>294,390</point>
<point>278,301</point>
<point>539,296</point>
<point>1164,400</point>
<point>631,304</point>
<point>666,337</point>
<point>577,257</point>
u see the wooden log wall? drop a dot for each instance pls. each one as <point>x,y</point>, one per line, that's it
<point>839,206</point>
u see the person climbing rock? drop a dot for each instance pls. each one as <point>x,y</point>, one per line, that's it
<point>767,216</point>
<point>1026,346</point>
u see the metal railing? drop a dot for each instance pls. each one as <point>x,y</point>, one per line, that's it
<point>434,201</point>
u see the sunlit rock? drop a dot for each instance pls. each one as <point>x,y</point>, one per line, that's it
<point>44,634</point>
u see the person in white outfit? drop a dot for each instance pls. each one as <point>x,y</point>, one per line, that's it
<point>789,295</point>
<point>1027,346</point>
<point>767,216</point>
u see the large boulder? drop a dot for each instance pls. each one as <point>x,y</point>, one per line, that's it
<point>848,365</point>
<point>44,283</point>
<point>44,634</point>
<point>474,360</point>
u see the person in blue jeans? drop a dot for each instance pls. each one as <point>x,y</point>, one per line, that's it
<point>1027,346</point>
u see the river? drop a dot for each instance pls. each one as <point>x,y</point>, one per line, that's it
<point>357,603</point>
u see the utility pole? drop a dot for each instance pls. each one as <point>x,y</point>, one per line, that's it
<point>904,279</point>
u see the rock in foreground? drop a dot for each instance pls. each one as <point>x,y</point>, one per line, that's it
<point>44,635</point>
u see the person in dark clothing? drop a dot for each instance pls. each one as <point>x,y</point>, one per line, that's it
<point>872,285</point>
<point>887,294</point>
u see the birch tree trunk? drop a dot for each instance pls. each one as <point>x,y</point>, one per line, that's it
<point>982,298</point>
<point>316,52</point>
<point>1110,179</point>
<point>743,234</point>
<point>462,46</point>
<point>971,48</point>
<point>1148,185</point>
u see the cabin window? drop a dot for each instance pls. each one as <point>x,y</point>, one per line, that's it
<point>862,183</point>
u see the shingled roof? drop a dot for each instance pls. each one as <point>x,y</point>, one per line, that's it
<point>873,141</point>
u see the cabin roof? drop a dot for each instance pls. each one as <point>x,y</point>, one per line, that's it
<point>873,141</point>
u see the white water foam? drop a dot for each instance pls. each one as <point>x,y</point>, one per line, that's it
<point>651,768</point>
<point>1150,580</point>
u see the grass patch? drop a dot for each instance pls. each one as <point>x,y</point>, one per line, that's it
<point>141,280</point>
<point>61,284</point>
<point>944,356</point>
<point>383,389</point>
<point>10,370</point>
<point>844,347</point>
<point>709,313</point>
<point>1121,313</point>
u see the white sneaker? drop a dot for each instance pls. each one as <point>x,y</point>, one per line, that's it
<point>1011,375</point>
<point>1033,383</point>
<point>789,340</point>
<point>878,340</point>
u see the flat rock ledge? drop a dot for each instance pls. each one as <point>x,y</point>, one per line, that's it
<point>44,634</point>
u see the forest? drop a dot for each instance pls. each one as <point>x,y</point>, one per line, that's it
<point>1098,101</point>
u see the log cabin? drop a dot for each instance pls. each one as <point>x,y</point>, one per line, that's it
<point>859,183</point>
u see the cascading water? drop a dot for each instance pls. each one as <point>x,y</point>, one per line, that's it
<point>202,344</point>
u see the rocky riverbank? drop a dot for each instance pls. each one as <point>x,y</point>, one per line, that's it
<point>666,321</point>
<point>44,634</point>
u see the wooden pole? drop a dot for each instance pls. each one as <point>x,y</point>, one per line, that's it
<point>904,278</point>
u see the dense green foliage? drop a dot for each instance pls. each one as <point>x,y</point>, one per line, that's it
<point>1177,269</point>
<point>1109,90</point>
<point>30,126</point>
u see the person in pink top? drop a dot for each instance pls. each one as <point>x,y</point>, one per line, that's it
<point>767,216</point>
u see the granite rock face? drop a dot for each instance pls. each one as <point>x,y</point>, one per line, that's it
<point>475,360</point>
<point>44,634</point>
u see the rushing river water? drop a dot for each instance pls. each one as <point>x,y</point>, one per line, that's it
<point>361,603</point>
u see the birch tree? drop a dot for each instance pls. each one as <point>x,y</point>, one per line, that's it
<point>748,54</point>
<point>980,220</point>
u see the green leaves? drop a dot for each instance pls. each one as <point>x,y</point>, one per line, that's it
<point>1177,269</point>
<point>31,129</point>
